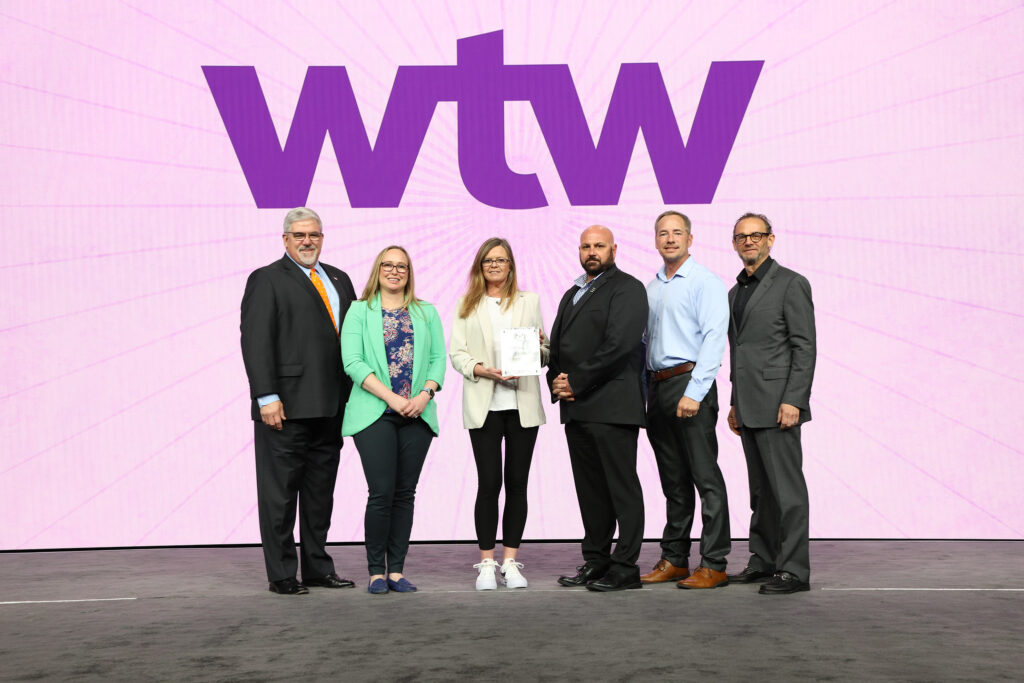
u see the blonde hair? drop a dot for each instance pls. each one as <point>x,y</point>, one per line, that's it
<point>372,288</point>
<point>477,285</point>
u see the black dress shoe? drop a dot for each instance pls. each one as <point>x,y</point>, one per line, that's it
<point>288,587</point>
<point>782,583</point>
<point>751,575</point>
<point>332,580</point>
<point>615,581</point>
<point>585,573</point>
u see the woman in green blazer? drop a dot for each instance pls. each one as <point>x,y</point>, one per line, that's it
<point>392,346</point>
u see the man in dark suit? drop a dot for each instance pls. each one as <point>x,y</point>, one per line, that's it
<point>291,314</point>
<point>594,373</point>
<point>772,354</point>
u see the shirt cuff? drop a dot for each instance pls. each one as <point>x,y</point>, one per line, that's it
<point>267,400</point>
<point>697,393</point>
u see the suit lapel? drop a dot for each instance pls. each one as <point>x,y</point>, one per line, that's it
<point>419,334</point>
<point>559,323</point>
<point>307,285</point>
<point>732,318</point>
<point>375,322</point>
<point>585,301</point>
<point>483,318</point>
<point>758,294</point>
<point>517,311</point>
<point>333,273</point>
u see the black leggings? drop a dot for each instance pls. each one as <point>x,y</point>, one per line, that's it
<point>519,442</point>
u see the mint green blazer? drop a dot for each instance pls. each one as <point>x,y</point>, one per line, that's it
<point>363,352</point>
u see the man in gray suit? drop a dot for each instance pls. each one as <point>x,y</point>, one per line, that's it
<point>772,354</point>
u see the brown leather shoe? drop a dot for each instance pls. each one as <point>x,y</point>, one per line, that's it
<point>705,577</point>
<point>665,571</point>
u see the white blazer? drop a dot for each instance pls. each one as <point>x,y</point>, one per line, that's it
<point>472,342</point>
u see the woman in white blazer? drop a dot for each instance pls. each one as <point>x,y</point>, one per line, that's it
<point>496,407</point>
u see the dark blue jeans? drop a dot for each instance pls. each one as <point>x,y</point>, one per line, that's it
<point>392,451</point>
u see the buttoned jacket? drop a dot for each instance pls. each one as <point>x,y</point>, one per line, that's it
<point>772,351</point>
<point>597,342</point>
<point>289,344</point>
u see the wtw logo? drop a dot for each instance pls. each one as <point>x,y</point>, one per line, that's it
<point>376,176</point>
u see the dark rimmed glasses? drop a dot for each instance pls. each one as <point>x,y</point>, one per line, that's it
<point>755,237</point>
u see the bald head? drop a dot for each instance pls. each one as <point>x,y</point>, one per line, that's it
<point>597,250</point>
<point>597,232</point>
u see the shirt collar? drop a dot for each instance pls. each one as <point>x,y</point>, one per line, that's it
<point>318,268</point>
<point>758,274</point>
<point>581,281</point>
<point>684,270</point>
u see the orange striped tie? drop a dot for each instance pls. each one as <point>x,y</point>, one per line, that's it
<point>323,295</point>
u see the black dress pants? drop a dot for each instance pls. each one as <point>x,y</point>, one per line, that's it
<point>780,511</point>
<point>686,450</point>
<point>297,465</point>
<point>603,458</point>
<point>392,451</point>
<point>519,443</point>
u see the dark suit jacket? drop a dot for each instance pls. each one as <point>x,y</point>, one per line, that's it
<point>772,353</point>
<point>597,342</point>
<point>289,345</point>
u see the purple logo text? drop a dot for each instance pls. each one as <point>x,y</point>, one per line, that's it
<point>480,82</point>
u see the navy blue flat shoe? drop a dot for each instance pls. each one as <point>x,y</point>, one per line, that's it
<point>401,586</point>
<point>378,587</point>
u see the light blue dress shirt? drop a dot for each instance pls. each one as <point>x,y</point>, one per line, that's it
<point>688,322</point>
<point>584,286</point>
<point>332,296</point>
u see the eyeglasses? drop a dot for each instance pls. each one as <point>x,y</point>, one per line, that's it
<point>755,237</point>
<point>496,262</point>
<point>301,236</point>
<point>387,267</point>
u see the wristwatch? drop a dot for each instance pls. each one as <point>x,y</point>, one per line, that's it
<point>429,391</point>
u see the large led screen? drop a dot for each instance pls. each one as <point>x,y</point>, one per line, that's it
<point>884,139</point>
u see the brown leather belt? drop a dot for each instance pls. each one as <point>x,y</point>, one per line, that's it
<point>660,375</point>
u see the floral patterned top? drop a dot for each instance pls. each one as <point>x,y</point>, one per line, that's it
<point>398,342</point>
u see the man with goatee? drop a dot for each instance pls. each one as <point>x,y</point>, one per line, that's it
<point>594,374</point>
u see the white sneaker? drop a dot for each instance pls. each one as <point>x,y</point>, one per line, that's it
<point>485,580</point>
<point>510,574</point>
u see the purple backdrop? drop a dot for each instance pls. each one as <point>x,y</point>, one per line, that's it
<point>884,139</point>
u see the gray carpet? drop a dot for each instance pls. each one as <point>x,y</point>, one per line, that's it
<point>206,614</point>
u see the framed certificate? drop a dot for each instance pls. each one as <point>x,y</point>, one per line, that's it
<point>520,351</point>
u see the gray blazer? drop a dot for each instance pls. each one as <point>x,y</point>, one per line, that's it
<point>772,353</point>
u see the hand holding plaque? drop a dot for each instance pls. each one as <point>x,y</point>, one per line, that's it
<point>520,351</point>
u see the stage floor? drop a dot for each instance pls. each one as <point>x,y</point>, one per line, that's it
<point>877,610</point>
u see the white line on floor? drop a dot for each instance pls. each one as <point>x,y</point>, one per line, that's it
<point>1005,590</point>
<point>527,591</point>
<point>46,602</point>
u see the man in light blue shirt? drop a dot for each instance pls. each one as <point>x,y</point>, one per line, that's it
<point>687,327</point>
